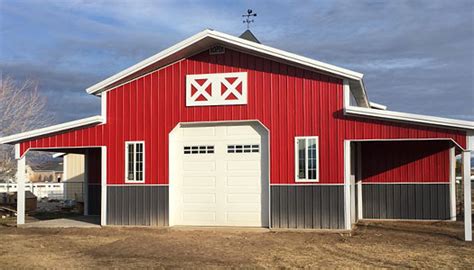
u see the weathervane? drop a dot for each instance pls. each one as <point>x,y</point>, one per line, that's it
<point>248,15</point>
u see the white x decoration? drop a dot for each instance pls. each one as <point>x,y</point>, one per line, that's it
<point>216,89</point>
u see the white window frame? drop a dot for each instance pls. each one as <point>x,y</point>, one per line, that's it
<point>306,180</point>
<point>127,143</point>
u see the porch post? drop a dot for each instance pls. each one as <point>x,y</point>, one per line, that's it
<point>359,182</point>
<point>103,190</point>
<point>466,164</point>
<point>347,181</point>
<point>20,183</point>
<point>452,183</point>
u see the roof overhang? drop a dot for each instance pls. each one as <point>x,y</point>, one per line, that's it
<point>90,121</point>
<point>208,38</point>
<point>409,117</point>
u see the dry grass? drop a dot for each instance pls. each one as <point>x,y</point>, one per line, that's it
<point>392,245</point>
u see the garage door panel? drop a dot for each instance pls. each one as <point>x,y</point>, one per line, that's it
<point>243,198</point>
<point>243,218</point>
<point>197,132</point>
<point>206,218</point>
<point>193,181</point>
<point>243,165</point>
<point>199,198</point>
<point>241,181</point>
<point>249,131</point>
<point>193,166</point>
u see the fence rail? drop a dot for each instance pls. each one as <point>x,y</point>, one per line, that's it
<point>60,191</point>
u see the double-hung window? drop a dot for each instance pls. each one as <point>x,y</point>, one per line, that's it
<point>306,159</point>
<point>134,162</point>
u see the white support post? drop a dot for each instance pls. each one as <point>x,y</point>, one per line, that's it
<point>103,190</point>
<point>452,182</point>
<point>360,214</point>
<point>466,164</point>
<point>347,181</point>
<point>20,182</point>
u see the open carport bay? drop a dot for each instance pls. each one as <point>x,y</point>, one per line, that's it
<point>390,244</point>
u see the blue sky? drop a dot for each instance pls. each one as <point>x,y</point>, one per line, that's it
<point>417,56</point>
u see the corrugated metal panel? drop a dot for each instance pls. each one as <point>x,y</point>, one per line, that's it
<point>406,201</point>
<point>137,205</point>
<point>413,161</point>
<point>287,100</point>
<point>307,207</point>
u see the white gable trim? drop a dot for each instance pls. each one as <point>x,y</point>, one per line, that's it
<point>409,117</point>
<point>94,120</point>
<point>218,36</point>
<point>215,81</point>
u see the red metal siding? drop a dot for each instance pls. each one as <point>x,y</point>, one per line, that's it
<point>289,101</point>
<point>413,161</point>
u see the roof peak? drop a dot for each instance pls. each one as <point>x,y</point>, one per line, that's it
<point>248,35</point>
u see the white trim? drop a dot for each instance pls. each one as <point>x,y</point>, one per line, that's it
<point>103,189</point>
<point>347,182</point>
<point>466,161</point>
<point>377,106</point>
<point>470,141</point>
<point>17,151</point>
<point>216,81</point>
<point>135,163</point>
<point>347,93</point>
<point>20,194</point>
<point>360,212</point>
<point>452,182</point>
<point>408,117</point>
<point>52,129</point>
<point>306,138</point>
<point>103,107</point>
<point>225,39</point>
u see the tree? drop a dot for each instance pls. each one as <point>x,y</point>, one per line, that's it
<point>22,108</point>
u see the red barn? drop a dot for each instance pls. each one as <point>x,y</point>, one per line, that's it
<point>218,130</point>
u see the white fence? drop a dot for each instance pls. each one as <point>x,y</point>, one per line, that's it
<point>41,190</point>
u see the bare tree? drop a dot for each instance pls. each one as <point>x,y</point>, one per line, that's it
<point>22,108</point>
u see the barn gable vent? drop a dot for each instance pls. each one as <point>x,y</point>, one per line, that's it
<point>248,35</point>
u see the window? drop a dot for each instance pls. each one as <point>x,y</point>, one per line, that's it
<point>134,162</point>
<point>246,148</point>
<point>306,159</point>
<point>199,149</point>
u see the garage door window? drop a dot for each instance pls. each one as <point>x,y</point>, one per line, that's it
<point>198,149</point>
<point>306,159</point>
<point>134,162</point>
<point>243,148</point>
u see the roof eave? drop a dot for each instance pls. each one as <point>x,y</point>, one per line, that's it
<point>15,138</point>
<point>409,117</point>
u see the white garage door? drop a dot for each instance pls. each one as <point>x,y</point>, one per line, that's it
<point>219,177</point>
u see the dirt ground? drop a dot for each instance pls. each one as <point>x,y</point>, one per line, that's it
<point>393,245</point>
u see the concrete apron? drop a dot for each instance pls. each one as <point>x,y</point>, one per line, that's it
<point>80,222</point>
